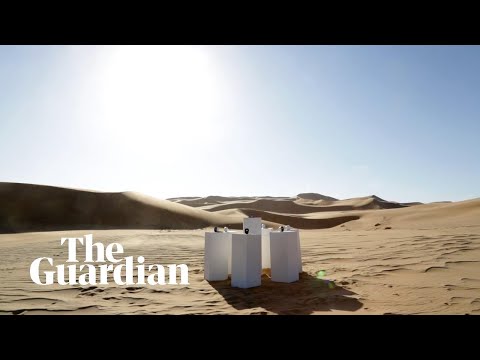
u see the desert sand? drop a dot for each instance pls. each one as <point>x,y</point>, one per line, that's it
<point>360,256</point>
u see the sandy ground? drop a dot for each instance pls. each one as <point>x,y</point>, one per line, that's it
<point>408,270</point>
<point>360,256</point>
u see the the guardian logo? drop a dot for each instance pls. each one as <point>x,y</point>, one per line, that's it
<point>95,271</point>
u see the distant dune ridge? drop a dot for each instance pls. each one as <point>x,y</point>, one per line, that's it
<point>215,200</point>
<point>28,207</point>
<point>315,196</point>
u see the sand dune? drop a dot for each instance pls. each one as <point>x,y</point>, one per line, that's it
<point>300,204</point>
<point>425,216</point>
<point>281,206</point>
<point>28,207</point>
<point>315,196</point>
<point>301,222</point>
<point>215,200</point>
<point>304,206</point>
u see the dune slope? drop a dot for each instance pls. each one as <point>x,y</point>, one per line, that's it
<point>26,207</point>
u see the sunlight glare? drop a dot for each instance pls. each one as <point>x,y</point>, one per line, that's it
<point>158,92</point>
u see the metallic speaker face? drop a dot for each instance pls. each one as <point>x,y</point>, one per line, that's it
<point>246,231</point>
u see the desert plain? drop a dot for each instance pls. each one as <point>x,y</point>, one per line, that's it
<point>362,255</point>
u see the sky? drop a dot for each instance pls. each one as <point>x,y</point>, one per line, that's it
<point>400,122</point>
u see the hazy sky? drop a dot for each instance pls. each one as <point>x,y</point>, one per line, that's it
<point>401,122</point>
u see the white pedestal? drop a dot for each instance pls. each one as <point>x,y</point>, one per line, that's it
<point>254,225</point>
<point>284,256</point>
<point>299,251</point>
<point>246,260</point>
<point>230,233</point>
<point>218,255</point>
<point>266,248</point>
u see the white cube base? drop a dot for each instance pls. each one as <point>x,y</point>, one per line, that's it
<point>299,251</point>
<point>230,232</point>
<point>218,255</point>
<point>254,225</point>
<point>266,248</point>
<point>284,254</point>
<point>246,260</point>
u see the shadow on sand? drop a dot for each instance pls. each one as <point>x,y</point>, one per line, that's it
<point>302,297</point>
